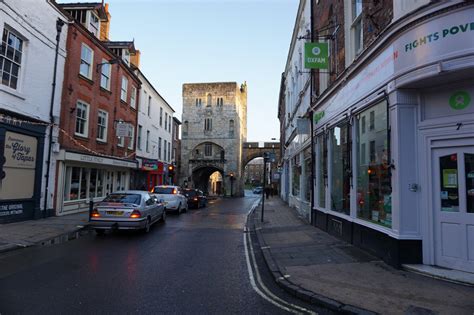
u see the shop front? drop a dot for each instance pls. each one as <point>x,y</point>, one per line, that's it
<point>149,174</point>
<point>394,148</point>
<point>83,177</point>
<point>21,167</point>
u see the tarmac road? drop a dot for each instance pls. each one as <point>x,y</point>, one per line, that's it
<point>195,263</point>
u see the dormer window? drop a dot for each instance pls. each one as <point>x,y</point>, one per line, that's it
<point>94,24</point>
<point>126,56</point>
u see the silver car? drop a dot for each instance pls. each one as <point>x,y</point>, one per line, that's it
<point>127,210</point>
<point>173,198</point>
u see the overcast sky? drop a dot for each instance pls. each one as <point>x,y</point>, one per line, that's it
<point>191,41</point>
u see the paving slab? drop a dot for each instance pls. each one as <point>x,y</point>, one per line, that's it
<point>329,271</point>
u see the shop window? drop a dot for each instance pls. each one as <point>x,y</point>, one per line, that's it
<point>374,200</point>
<point>469,171</point>
<point>340,168</point>
<point>124,89</point>
<point>307,162</point>
<point>76,183</point>
<point>322,170</point>
<point>82,119</point>
<point>87,57</point>
<point>93,183</point>
<point>296,173</point>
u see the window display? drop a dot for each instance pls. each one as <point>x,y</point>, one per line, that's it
<point>296,171</point>
<point>374,200</point>
<point>341,168</point>
<point>322,170</point>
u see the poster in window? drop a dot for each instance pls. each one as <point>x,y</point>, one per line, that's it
<point>450,178</point>
<point>19,167</point>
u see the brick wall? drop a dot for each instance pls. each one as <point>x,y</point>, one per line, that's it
<point>377,15</point>
<point>77,88</point>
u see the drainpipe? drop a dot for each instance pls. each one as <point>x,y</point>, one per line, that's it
<point>59,26</point>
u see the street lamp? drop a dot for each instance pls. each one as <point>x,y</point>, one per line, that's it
<point>231,178</point>
<point>265,160</point>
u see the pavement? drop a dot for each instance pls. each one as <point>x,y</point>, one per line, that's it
<point>324,270</point>
<point>46,231</point>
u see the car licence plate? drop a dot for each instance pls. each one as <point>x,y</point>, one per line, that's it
<point>117,213</point>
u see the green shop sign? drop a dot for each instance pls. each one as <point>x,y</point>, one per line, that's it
<point>459,100</point>
<point>318,116</point>
<point>316,55</point>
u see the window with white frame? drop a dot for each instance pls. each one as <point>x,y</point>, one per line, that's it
<point>161,116</point>
<point>147,145</point>
<point>166,121</point>
<point>169,125</point>
<point>148,111</point>
<point>159,148</point>
<point>123,92</point>
<point>82,119</point>
<point>102,118</point>
<point>94,24</point>
<point>121,141</point>
<point>164,149</point>
<point>87,58</point>
<point>356,26</point>
<point>126,56</point>
<point>11,53</point>
<point>169,151</point>
<point>139,137</point>
<point>131,134</point>
<point>133,97</point>
<point>106,70</point>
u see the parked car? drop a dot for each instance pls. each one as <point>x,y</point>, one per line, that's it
<point>196,197</point>
<point>127,210</point>
<point>173,197</point>
<point>258,190</point>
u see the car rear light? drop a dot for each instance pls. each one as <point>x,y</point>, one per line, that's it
<point>195,199</point>
<point>95,214</point>
<point>175,191</point>
<point>135,214</point>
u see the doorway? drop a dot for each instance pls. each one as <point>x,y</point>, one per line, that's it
<point>453,200</point>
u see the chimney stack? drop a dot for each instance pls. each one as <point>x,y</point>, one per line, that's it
<point>105,25</point>
<point>135,59</point>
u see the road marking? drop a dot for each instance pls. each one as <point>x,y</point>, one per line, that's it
<point>267,295</point>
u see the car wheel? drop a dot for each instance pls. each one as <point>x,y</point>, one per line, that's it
<point>179,210</point>
<point>163,216</point>
<point>185,209</point>
<point>100,232</point>
<point>147,226</point>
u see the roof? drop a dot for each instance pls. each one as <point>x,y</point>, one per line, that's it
<point>88,6</point>
<point>177,120</point>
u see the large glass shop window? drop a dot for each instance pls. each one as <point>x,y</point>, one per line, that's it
<point>340,168</point>
<point>296,170</point>
<point>374,199</point>
<point>83,183</point>
<point>322,170</point>
<point>307,163</point>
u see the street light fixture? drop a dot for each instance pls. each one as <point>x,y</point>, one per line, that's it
<point>231,178</point>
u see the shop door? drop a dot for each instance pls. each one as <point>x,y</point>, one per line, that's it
<point>453,200</point>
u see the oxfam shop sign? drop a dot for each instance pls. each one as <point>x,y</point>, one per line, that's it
<point>316,56</point>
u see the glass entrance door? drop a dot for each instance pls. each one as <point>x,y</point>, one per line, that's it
<point>453,200</point>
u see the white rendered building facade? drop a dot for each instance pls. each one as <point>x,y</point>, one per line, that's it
<point>27,112</point>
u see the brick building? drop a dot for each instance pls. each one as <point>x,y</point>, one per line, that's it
<point>99,99</point>
<point>393,128</point>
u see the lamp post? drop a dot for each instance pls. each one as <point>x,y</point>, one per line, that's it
<point>265,159</point>
<point>231,178</point>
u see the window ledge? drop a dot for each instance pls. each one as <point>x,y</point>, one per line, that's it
<point>102,89</point>
<point>90,81</point>
<point>99,141</point>
<point>123,102</point>
<point>81,137</point>
<point>12,92</point>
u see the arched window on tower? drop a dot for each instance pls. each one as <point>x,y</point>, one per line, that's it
<point>209,100</point>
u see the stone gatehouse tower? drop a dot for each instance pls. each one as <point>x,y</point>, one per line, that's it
<point>213,131</point>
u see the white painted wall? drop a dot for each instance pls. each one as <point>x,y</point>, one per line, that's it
<point>152,122</point>
<point>35,21</point>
